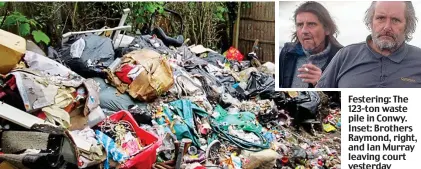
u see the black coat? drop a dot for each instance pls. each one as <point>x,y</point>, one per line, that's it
<point>288,59</point>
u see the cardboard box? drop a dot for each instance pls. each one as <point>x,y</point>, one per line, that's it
<point>12,48</point>
<point>6,165</point>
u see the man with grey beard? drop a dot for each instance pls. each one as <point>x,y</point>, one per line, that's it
<point>384,60</point>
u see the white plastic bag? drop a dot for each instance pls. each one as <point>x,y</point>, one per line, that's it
<point>77,48</point>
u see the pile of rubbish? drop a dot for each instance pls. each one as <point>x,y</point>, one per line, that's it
<point>156,104</point>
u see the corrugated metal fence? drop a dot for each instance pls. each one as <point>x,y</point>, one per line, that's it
<point>258,22</point>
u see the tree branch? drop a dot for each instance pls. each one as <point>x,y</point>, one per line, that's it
<point>6,13</point>
<point>97,19</point>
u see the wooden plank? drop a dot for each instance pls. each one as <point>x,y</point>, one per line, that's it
<point>257,19</point>
<point>258,22</point>
<point>260,41</point>
<point>252,30</point>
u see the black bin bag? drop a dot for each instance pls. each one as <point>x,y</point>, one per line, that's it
<point>260,84</point>
<point>97,54</point>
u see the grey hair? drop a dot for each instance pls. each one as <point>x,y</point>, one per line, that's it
<point>410,17</point>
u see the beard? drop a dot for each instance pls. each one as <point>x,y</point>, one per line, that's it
<point>386,44</point>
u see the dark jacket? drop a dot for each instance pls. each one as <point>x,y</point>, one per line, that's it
<point>288,59</point>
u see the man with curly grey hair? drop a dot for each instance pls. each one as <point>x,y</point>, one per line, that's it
<point>314,44</point>
<point>384,60</point>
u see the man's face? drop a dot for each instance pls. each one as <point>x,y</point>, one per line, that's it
<point>310,32</point>
<point>388,28</point>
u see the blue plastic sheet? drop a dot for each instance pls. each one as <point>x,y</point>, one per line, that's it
<point>111,149</point>
<point>186,127</point>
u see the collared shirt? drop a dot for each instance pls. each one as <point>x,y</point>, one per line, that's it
<point>359,66</point>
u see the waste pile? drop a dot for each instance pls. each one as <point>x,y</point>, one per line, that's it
<point>91,104</point>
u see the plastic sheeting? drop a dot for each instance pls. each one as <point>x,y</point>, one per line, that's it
<point>36,91</point>
<point>111,99</point>
<point>313,103</point>
<point>216,59</point>
<point>97,54</point>
<point>259,83</point>
<point>48,66</point>
<point>183,125</point>
<point>147,42</point>
<point>111,149</point>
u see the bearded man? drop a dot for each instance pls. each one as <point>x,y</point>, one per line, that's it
<point>384,60</point>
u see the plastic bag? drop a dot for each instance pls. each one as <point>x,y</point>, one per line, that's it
<point>313,100</point>
<point>259,83</point>
<point>234,54</point>
<point>97,54</point>
<point>77,48</point>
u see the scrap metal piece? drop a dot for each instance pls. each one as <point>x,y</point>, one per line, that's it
<point>180,156</point>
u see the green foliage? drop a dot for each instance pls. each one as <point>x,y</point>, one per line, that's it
<point>24,29</point>
<point>40,36</point>
<point>220,12</point>
<point>18,23</point>
<point>143,10</point>
<point>14,19</point>
<point>204,22</point>
<point>191,5</point>
<point>246,4</point>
